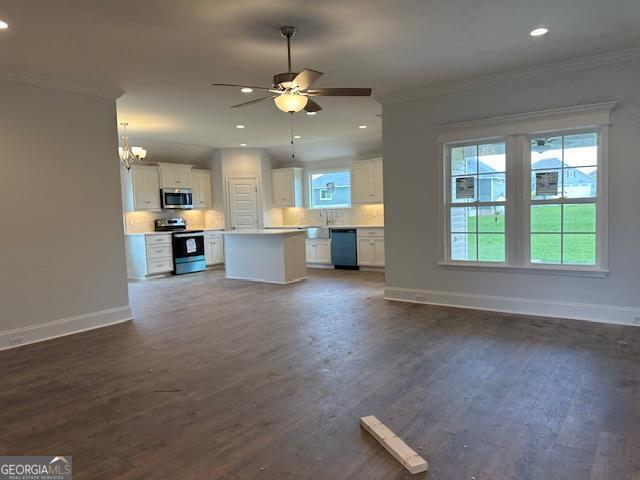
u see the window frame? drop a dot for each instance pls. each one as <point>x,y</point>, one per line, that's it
<point>516,130</point>
<point>449,204</point>
<point>309,176</point>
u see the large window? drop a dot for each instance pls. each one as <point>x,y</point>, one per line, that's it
<point>330,189</point>
<point>524,199</point>
<point>563,200</point>
<point>477,199</point>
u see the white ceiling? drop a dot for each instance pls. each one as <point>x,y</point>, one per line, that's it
<point>165,53</point>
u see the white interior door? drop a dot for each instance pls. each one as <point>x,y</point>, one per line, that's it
<point>243,203</point>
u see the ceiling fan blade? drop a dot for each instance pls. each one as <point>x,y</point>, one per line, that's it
<point>312,106</point>
<point>253,101</point>
<point>240,86</point>
<point>305,78</point>
<point>339,92</point>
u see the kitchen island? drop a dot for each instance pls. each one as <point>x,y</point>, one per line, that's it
<point>265,255</point>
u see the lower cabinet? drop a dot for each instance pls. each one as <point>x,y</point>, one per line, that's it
<point>370,247</point>
<point>213,248</point>
<point>318,251</point>
<point>149,255</point>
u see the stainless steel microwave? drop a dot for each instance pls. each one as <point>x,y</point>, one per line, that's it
<point>177,198</point>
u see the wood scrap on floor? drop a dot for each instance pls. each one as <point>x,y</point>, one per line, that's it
<point>394,445</point>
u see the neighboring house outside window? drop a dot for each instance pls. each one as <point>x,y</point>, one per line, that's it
<point>330,189</point>
<point>325,195</point>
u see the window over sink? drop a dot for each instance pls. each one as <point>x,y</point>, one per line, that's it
<point>330,189</point>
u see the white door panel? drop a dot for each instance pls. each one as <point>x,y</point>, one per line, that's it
<point>243,203</point>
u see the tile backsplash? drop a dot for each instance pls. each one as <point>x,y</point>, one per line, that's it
<point>356,215</point>
<point>142,222</point>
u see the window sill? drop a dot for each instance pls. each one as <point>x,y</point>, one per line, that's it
<point>535,269</point>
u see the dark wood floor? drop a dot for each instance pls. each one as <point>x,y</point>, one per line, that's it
<point>220,379</point>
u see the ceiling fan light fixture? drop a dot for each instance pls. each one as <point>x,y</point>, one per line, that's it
<point>291,102</point>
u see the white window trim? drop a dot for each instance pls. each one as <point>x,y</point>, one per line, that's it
<point>309,173</point>
<point>515,130</point>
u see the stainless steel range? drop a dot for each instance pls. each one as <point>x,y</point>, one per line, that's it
<point>188,245</point>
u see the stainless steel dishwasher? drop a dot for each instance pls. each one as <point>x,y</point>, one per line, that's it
<point>344,253</point>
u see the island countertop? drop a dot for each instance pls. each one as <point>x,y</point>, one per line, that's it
<point>264,231</point>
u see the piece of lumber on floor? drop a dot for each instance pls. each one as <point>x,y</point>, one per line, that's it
<point>394,445</point>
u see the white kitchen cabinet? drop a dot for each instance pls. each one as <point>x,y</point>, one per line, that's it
<point>287,187</point>
<point>318,251</point>
<point>175,175</point>
<point>366,182</point>
<point>213,248</point>
<point>150,254</point>
<point>370,247</point>
<point>141,188</point>
<point>201,187</point>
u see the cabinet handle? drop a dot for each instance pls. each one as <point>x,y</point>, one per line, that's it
<point>147,201</point>
<point>178,181</point>
<point>372,244</point>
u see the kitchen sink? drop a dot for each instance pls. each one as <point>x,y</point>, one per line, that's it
<point>318,232</point>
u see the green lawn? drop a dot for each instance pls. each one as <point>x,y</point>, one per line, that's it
<point>575,246</point>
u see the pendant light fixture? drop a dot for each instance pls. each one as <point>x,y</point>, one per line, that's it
<point>128,154</point>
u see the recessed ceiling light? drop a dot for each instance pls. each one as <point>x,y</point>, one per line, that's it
<point>243,144</point>
<point>297,136</point>
<point>538,32</point>
<point>246,90</point>
<point>239,126</point>
<point>362,126</point>
<point>3,25</point>
<point>311,113</point>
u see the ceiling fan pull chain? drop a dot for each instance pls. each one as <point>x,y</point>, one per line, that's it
<point>293,154</point>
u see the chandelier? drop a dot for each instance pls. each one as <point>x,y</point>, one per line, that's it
<point>128,154</point>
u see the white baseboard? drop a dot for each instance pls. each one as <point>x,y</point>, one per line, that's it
<point>65,326</point>
<point>524,306</point>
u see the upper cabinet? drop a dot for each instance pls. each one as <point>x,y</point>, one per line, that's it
<point>141,188</point>
<point>174,175</point>
<point>366,182</point>
<point>287,187</point>
<point>201,186</point>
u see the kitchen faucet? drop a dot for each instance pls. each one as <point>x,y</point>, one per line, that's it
<point>328,216</point>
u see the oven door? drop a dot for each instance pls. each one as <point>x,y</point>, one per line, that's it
<point>188,253</point>
<point>188,245</point>
<point>177,198</point>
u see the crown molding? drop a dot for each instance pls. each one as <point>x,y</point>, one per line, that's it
<point>40,80</point>
<point>563,118</point>
<point>603,59</point>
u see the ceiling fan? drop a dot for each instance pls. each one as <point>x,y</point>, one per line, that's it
<point>290,90</point>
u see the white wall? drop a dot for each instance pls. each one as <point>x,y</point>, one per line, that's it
<point>62,261</point>
<point>412,203</point>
